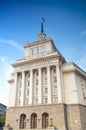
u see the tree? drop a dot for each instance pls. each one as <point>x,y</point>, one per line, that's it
<point>2,120</point>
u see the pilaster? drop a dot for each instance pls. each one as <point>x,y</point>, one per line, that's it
<point>59,85</point>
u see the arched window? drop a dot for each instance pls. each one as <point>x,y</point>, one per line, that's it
<point>45,120</point>
<point>22,121</point>
<point>34,121</point>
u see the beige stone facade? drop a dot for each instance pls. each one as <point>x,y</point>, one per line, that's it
<point>46,92</point>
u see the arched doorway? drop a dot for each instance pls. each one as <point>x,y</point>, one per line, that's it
<point>45,120</point>
<point>33,121</point>
<point>22,121</point>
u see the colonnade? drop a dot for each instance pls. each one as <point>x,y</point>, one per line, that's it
<point>40,87</point>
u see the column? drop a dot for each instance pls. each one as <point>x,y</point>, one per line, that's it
<point>15,90</point>
<point>49,84</point>
<point>23,89</point>
<point>59,84</point>
<point>31,88</point>
<point>40,87</point>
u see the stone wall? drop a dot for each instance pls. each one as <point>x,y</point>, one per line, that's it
<point>76,115</point>
<point>64,117</point>
<point>55,111</point>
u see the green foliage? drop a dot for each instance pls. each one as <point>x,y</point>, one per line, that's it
<point>2,120</point>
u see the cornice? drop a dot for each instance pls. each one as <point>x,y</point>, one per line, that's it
<point>56,56</point>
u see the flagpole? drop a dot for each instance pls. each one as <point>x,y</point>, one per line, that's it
<point>42,27</point>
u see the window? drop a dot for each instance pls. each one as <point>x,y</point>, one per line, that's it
<point>54,71</point>
<point>36,91</point>
<point>46,90</point>
<point>37,73</point>
<point>45,81</point>
<point>20,76</point>
<point>37,82</point>
<point>46,100</point>
<point>43,49</point>
<point>22,121</point>
<point>55,99</point>
<point>27,74</point>
<point>55,79</point>
<point>45,72</point>
<point>32,51</point>
<point>37,51</point>
<point>45,120</point>
<point>33,121</point>
<point>55,89</point>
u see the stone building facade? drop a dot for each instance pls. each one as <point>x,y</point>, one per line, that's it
<point>46,92</point>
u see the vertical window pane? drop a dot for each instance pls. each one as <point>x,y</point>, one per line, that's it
<point>46,100</point>
<point>55,79</point>
<point>36,91</point>
<point>37,51</point>
<point>36,82</point>
<point>46,90</point>
<point>55,89</point>
<point>32,52</point>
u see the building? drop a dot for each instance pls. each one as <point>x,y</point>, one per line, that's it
<point>46,92</point>
<point>2,109</point>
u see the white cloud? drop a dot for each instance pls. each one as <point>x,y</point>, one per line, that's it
<point>83,32</point>
<point>13,43</point>
<point>5,72</point>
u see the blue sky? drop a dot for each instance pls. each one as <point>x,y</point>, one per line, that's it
<point>65,22</point>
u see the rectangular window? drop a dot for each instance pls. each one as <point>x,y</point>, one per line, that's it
<point>36,91</point>
<point>43,49</point>
<point>37,73</point>
<point>55,79</point>
<point>27,75</point>
<point>55,89</point>
<point>45,81</point>
<point>55,99</point>
<point>46,90</point>
<point>45,72</point>
<point>36,82</point>
<point>54,71</point>
<point>46,100</point>
<point>32,52</point>
<point>37,51</point>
